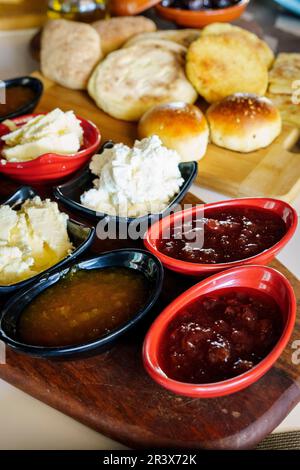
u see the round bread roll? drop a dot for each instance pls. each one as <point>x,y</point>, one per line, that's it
<point>244,122</point>
<point>221,64</point>
<point>116,31</point>
<point>180,126</point>
<point>130,81</point>
<point>185,37</point>
<point>262,49</point>
<point>69,52</point>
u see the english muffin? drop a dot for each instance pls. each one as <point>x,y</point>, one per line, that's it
<point>185,37</point>
<point>130,81</point>
<point>261,47</point>
<point>69,52</point>
<point>116,31</point>
<point>243,122</point>
<point>219,65</point>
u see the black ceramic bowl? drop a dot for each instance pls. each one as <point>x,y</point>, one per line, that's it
<point>69,194</point>
<point>140,260</point>
<point>30,82</point>
<point>80,235</point>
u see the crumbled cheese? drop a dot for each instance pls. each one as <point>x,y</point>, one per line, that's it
<point>56,132</point>
<point>31,239</point>
<point>134,181</point>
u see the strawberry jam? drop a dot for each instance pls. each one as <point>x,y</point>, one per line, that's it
<point>220,336</point>
<point>223,235</point>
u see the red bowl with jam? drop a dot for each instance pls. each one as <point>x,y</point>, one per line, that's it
<point>223,334</point>
<point>50,166</point>
<point>208,238</point>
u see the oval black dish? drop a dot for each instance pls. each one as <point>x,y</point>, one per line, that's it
<point>30,82</point>
<point>140,260</point>
<point>80,235</point>
<point>69,194</point>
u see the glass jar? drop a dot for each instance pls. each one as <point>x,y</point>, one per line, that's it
<point>78,10</point>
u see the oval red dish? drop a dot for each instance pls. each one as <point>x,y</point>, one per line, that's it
<point>281,208</point>
<point>200,18</point>
<point>51,166</point>
<point>264,280</point>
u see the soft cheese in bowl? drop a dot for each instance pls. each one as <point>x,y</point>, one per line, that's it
<point>56,132</point>
<point>32,239</point>
<point>133,182</point>
<point>46,147</point>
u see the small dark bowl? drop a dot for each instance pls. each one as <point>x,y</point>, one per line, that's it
<point>80,235</point>
<point>139,260</point>
<point>69,194</point>
<point>29,82</point>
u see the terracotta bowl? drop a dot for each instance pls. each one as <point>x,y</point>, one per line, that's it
<point>200,18</point>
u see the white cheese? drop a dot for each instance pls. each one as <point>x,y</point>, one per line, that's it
<point>56,132</point>
<point>31,239</point>
<point>134,182</point>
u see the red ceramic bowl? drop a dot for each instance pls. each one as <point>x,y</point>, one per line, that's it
<point>51,166</point>
<point>260,278</point>
<point>288,214</point>
<point>200,18</point>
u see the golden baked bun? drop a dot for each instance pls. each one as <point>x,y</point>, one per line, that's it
<point>180,126</point>
<point>221,64</point>
<point>69,52</point>
<point>116,31</point>
<point>263,50</point>
<point>130,81</point>
<point>243,122</point>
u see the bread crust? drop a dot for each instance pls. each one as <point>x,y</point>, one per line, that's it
<point>180,126</point>
<point>243,122</point>
<point>69,52</point>
<point>217,67</point>
<point>130,81</point>
<point>116,31</point>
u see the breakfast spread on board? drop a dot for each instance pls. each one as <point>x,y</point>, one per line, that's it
<point>188,90</point>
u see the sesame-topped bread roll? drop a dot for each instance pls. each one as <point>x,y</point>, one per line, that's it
<point>244,122</point>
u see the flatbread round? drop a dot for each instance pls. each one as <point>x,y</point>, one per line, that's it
<point>219,65</point>
<point>261,47</point>
<point>130,81</point>
<point>70,50</point>
<point>116,31</point>
<point>185,37</point>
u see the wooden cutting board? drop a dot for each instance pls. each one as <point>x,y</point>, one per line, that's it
<point>112,394</point>
<point>272,172</point>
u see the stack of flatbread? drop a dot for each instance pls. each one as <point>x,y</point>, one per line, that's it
<point>284,86</point>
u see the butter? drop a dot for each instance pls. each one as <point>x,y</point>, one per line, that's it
<point>32,239</point>
<point>55,132</point>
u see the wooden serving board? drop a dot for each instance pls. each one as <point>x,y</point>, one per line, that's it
<point>111,392</point>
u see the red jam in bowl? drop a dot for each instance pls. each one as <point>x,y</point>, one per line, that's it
<point>227,235</point>
<point>220,336</point>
